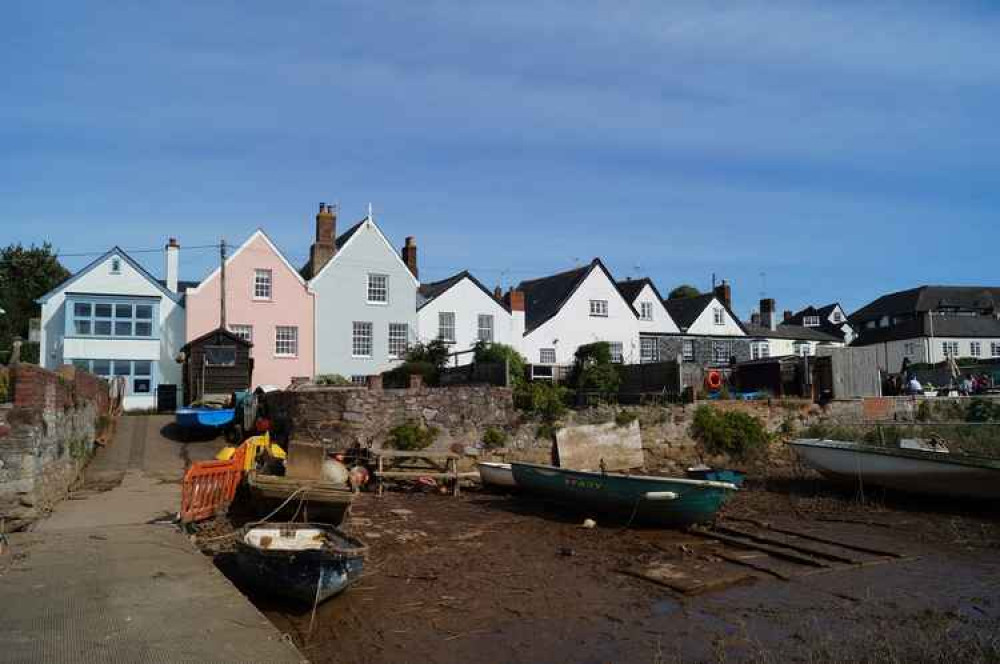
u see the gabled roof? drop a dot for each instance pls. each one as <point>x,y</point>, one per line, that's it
<point>823,312</point>
<point>344,240</point>
<point>686,310</point>
<point>114,251</point>
<point>307,270</point>
<point>928,298</point>
<point>229,259</point>
<point>793,332</point>
<point>434,289</point>
<point>630,288</point>
<point>544,297</point>
<point>217,332</point>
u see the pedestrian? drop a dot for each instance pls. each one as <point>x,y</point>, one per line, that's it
<point>914,386</point>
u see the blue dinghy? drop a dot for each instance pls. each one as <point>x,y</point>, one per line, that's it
<point>208,418</point>
<point>309,562</point>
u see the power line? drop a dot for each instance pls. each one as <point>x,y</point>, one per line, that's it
<point>130,251</point>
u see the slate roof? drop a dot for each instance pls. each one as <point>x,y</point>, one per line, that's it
<point>685,310</point>
<point>630,288</point>
<point>823,312</point>
<point>953,326</point>
<point>307,270</point>
<point>544,297</point>
<point>793,332</point>
<point>927,298</point>
<point>430,291</point>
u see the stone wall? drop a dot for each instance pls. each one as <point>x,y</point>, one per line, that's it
<point>47,434</point>
<point>343,416</point>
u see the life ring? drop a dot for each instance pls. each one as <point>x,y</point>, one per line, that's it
<point>713,380</point>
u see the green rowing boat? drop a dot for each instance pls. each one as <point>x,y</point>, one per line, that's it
<point>661,500</point>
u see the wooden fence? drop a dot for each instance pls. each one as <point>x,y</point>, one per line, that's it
<point>476,373</point>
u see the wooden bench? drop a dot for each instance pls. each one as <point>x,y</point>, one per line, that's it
<point>398,464</point>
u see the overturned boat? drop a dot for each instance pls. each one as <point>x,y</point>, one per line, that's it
<point>309,562</point>
<point>915,468</point>
<point>667,501</point>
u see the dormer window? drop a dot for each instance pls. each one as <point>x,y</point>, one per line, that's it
<point>116,265</point>
<point>838,317</point>
<point>810,321</point>
<point>646,310</point>
<point>719,316</point>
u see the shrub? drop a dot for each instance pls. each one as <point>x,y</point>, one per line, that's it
<point>412,436</point>
<point>332,379</point>
<point>547,431</point>
<point>400,376</point>
<point>494,438</point>
<point>738,435</point>
<point>433,352</point>
<point>624,418</point>
<point>593,369</point>
<point>500,353</point>
<point>542,398</point>
<point>982,410</point>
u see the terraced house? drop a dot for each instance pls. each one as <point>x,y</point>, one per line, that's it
<point>114,319</point>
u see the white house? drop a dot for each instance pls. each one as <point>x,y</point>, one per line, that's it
<point>365,299</point>
<point>771,339</point>
<point>112,318</point>
<point>710,333</point>
<point>461,311</point>
<point>930,324</point>
<point>655,321</point>
<point>567,310</point>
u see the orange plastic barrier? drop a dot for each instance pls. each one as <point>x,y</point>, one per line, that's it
<point>210,486</point>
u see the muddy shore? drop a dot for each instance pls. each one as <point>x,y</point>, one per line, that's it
<point>501,578</point>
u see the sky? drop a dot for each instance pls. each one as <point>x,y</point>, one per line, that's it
<point>807,151</point>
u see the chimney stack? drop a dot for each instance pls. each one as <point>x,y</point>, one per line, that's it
<point>409,255</point>
<point>755,319</point>
<point>515,302</point>
<point>787,316</point>
<point>173,251</point>
<point>768,313</point>
<point>325,245</point>
<point>724,293</point>
<point>498,293</point>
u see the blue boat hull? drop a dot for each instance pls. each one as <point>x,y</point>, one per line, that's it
<point>306,576</point>
<point>206,418</point>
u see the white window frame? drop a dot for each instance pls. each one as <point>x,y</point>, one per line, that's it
<point>446,326</point>
<point>359,379</point>
<point>617,352</point>
<point>810,321</point>
<point>909,349</point>
<point>263,285</point>
<point>378,293</point>
<point>803,348</point>
<point>244,332</point>
<point>949,348</point>
<point>722,351</point>
<point>687,350</point>
<point>649,350</point>
<point>995,348</point>
<point>718,316</point>
<point>546,355</point>
<point>116,265</point>
<point>286,341</point>
<point>484,328</point>
<point>399,337</point>
<point>838,317</point>
<point>362,338</point>
<point>599,308</point>
<point>646,311</point>
<point>760,350</point>
<point>975,349</point>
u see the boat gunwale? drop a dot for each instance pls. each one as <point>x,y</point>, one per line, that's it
<point>951,458</point>
<point>707,484</point>
<point>358,549</point>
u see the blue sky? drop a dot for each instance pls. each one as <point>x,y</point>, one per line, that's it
<point>841,149</point>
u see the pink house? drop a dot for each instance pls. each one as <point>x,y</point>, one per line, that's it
<point>267,302</point>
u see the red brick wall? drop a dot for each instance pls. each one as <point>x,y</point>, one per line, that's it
<point>40,389</point>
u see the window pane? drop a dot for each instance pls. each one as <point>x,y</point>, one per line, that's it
<point>123,328</point>
<point>141,386</point>
<point>446,325</point>
<point>361,340</point>
<point>143,329</point>
<point>102,367</point>
<point>547,355</point>
<point>485,332</point>
<point>286,340</point>
<point>102,327</point>
<point>142,368</point>
<point>398,336</point>
<point>144,311</point>
<point>82,309</point>
<point>123,367</point>
<point>102,310</point>
<point>262,284</point>
<point>378,288</point>
<point>82,326</point>
<point>123,311</point>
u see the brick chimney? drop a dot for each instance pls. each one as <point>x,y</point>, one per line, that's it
<point>787,316</point>
<point>515,302</point>
<point>173,254</point>
<point>324,248</point>
<point>724,293</point>
<point>768,313</point>
<point>409,254</point>
<point>498,293</point>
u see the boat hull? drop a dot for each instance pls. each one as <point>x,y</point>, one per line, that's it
<point>497,474</point>
<point>905,470</point>
<point>307,576</point>
<point>666,501</point>
<point>209,418</point>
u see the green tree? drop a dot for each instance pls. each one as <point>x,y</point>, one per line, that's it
<point>684,290</point>
<point>495,352</point>
<point>25,275</point>
<point>594,370</point>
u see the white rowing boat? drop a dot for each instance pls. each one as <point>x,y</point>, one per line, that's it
<point>915,470</point>
<point>496,474</point>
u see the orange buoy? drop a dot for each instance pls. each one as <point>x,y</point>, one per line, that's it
<point>713,380</point>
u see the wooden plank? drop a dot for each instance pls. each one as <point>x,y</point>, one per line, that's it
<point>770,550</point>
<point>788,545</point>
<point>736,560</point>
<point>824,540</point>
<point>415,474</point>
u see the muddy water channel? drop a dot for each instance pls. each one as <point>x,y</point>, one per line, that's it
<point>782,577</point>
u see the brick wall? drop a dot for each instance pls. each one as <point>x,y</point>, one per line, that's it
<point>342,416</point>
<point>47,435</point>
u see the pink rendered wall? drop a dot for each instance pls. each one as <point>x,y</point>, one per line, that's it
<point>290,304</point>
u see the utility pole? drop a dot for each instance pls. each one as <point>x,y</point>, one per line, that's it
<point>222,283</point>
